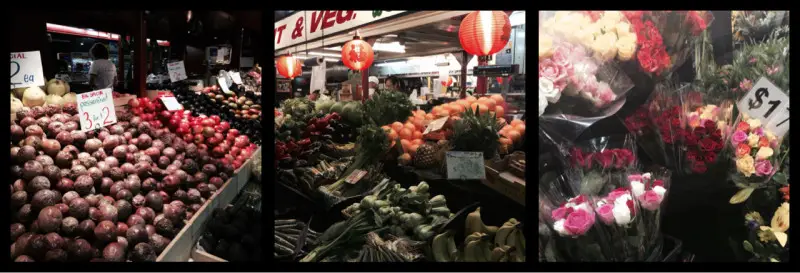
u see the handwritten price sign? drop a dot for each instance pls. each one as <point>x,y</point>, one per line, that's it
<point>177,72</point>
<point>96,109</point>
<point>26,69</point>
<point>770,104</point>
<point>465,166</point>
<point>235,77</point>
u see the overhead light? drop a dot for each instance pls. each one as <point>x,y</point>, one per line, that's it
<point>188,16</point>
<point>517,18</point>
<point>215,38</point>
<point>324,54</point>
<point>393,47</point>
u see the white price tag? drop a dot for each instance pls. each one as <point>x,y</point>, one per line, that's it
<point>779,123</point>
<point>224,85</point>
<point>465,166</point>
<point>237,79</point>
<point>171,103</point>
<point>96,109</point>
<point>764,101</point>
<point>435,125</point>
<point>26,69</point>
<point>177,72</point>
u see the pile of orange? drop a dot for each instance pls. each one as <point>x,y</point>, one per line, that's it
<point>410,134</point>
<point>512,133</point>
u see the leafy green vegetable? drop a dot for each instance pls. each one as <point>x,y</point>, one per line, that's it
<point>387,107</point>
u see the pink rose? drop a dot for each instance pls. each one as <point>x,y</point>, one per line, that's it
<point>612,196</point>
<point>607,97</point>
<point>591,85</point>
<point>635,177</point>
<point>759,131</point>
<point>650,200</point>
<point>552,71</point>
<point>738,137</point>
<point>559,213</point>
<point>579,222</point>
<point>561,57</point>
<point>763,167</point>
<point>606,213</point>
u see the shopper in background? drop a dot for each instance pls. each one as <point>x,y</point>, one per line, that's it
<point>373,85</point>
<point>395,84</point>
<point>102,72</point>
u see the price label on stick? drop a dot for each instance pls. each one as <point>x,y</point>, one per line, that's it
<point>177,72</point>
<point>171,103</point>
<point>96,109</point>
<point>355,176</point>
<point>435,125</point>
<point>764,101</point>
<point>26,69</point>
<point>235,77</point>
<point>224,85</point>
<point>465,165</point>
<point>779,124</point>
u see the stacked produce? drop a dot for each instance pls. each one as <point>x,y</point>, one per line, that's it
<point>289,234</point>
<point>390,212</point>
<point>483,244</point>
<point>57,94</point>
<point>114,194</point>
<point>242,113</point>
<point>234,233</point>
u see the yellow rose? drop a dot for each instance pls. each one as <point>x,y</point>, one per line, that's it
<point>545,46</point>
<point>625,34</point>
<point>745,165</point>
<point>613,15</point>
<point>770,135</point>
<point>764,153</point>
<point>626,47</point>
<point>585,37</point>
<point>623,28</point>
<point>754,122</point>
<point>706,115</point>
<point>745,116</point>
<point>607,25</point>
<point>780,221</point>
<point>709,108</point>
<point>605,46</point>
<point>752,140</point>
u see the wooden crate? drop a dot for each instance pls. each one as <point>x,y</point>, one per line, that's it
<point>501,178</point>
<point>123,101</point>
<point>181,248</point>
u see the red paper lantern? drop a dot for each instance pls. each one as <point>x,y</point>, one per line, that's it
<point>357,54</point>
<point>484,33</point>
<point>289,66</point>
<point>448,82</point>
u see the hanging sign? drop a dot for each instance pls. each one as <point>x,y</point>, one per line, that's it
<point>26,69</point>
<point>177,72</point>
<point>308,25</point>
<point>96,109</point>
<point>465,165</point>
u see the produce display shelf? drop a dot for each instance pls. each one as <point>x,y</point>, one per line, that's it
<point>180,249</point>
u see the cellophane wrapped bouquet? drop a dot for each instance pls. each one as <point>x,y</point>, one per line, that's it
<point>706,126</point>
<point>600,164</point>
<point>656,125</point>
<point>755,151</point>
<point>619,214</point>
<point>665,39</point>
<point>579,79</point>
<point>650,191</point>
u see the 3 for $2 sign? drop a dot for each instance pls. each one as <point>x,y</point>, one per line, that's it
<point>96,109</point>
<point>26,69</point>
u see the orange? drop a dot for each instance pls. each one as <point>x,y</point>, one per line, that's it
<point>392,135</point>
<point>413,149</point>
<point>429,116</point>
<point>490,104</point>
<point>508,127</point>
<point>475,106</point>
<point>406,143</point>
<point>444,113</point>
<point>457,109</point>
<point>500,111</point>
<point>397,126</point>
<point>514,135</point>
<point>410,125</point>
<point>386,128</point>
<point>417,135</point>
<point>520,128</point>
<point>502,121</point>
<point>409,119</point>
<point>471,99</point>
<point>498,99</point>
<point>504,141</point>
<point>418,124</point>
<point>517,122</point>
<point>406,133</point>
<point>417,141</point>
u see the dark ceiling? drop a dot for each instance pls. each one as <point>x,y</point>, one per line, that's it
<point>280,14</point>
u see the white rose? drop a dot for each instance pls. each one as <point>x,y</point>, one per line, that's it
<point>559,227</point>
<point>622,214</point>
<point>660,191</point>
<point>637,188</point>
<point>646,176</point>
<point>550,92</point>
<point>542,104</point>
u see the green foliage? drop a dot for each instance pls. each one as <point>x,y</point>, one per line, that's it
<point>477,133</point>
<point>387,107</point>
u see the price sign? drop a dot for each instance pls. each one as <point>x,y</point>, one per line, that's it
<point>764,101</point>
<point>224,85</point>
<point>26,69</point>
<point>435,125</point>
<point>355,176</point>
<point>96,109</point>
<point>177,72</point>
<point>237,79</point>
<point>779,124</point>
<point>465,165</point>
<point>171,103</point>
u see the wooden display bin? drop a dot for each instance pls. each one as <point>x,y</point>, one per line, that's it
<point>181,248</point>
<point>502,176</point>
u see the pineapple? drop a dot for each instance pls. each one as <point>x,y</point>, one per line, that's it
<point>476,132</point>
<point>425,157</point>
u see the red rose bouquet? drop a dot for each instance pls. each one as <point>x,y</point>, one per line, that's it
<point>650,190</point>
<point>600,164</point>
<point>665,38</point>
<point>705,127</point>
<point>656,125</point>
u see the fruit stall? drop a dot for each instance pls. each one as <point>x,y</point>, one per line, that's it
<point>105,177</point>
<point>373,178</point>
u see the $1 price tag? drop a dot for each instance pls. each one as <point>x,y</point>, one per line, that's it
<point>770,104</point>
<point>465,166</point>
<point>26,69</point>
<point>177,72</point>
<point>96,109</point>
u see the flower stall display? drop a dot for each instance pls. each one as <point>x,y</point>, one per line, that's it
<point>656,125</point>
<point>705,127</point>
<point>748,25</point>
<point>754,152</point>
<point>600,164</point>
<point>576,234</point>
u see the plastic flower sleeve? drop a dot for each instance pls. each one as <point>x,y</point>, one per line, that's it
<point>572,222</point>
<point>650,189</point>
<point>706,125</point>
<point>618,212</point>
<point>600,164</point>
<point>754,151</point>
